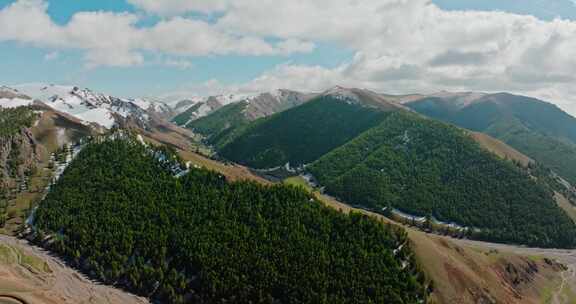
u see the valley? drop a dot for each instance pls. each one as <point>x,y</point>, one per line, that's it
<point>288,152</point>
<point>455,270</point>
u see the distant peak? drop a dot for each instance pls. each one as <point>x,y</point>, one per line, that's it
<point>8,89</point>
<point>344,94</point>
<point>337,88</point>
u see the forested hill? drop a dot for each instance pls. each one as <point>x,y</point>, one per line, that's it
<point>428,168</point>
<point>302,134</point>
<point>121,216</point>
<point>221,125</point>
<point>536,128</point>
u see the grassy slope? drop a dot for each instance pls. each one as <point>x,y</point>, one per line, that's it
<point>10,255</point>
<point>187,152</point>
<point>565,204</point>
<point>501,149</point>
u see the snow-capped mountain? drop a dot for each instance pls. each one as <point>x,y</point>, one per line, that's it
<point>154,106</point>
<point>268,103</point>
<point>364,97</point>
<point>344,94</point>
<point>88,106</point>
<point>257,105</point>
<point>11,98</point>
<point>193,108</point>
<point>185,104</point>
<point>208,104</point>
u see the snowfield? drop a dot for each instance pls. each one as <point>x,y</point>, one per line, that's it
<point>84,104</point>
<point>14,103</point>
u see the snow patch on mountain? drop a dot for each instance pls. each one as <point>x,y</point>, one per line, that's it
<point>233,98</point>
<point>203,106</point>
<point>42,91</point>
<point>460,99</point>
<point>86,105</point>
<point>14,102</point>
<point>152,105</point>
<point>100,116</point>
<point>342,94</point>
<point>258,104</point>
<point>11,98</point>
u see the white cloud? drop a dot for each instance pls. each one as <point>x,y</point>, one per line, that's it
<point>183,36</point>
<point>114,39</point>
<point>110,57</point>
<point>176,7</point>
<point>406,46</point>
<point>27,21</point>
<point>400,46</point>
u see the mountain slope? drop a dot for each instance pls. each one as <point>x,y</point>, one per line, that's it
<point>192,109</point>
<point>19,154</point>
<point>218,126</point>
<point>222,125</point>
<point>536,128</point>
<point>427,168</point>
<point>200,239</point>
<point>29,137</point>
<point>91,107</point>
<point>303,134</point>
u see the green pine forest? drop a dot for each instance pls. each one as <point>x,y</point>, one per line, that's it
<point>536,128</point>
<point>119,215</point>
<point>223,125</point>
<point>300,135</point>
<point>12,120</point>
<point>428,168</point>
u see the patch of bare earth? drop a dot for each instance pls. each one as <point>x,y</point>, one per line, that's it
<point>500,149</point>
<point>57,284</point>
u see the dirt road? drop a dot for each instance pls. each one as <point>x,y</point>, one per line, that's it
<point>564,256</point>
<point>62,285</point>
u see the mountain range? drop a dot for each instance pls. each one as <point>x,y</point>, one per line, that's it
<point>491,167</point>
<point>536,128</point>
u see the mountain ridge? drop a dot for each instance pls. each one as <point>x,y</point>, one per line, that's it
<point>539,129</point>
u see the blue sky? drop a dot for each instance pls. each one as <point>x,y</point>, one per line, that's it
<point>154,72</point>
<point>27,63</point>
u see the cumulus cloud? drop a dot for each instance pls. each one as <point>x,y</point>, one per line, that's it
<point>414,46</point>
<point>114,39</point>
<point>176,7</point>
<point>399,46</point>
